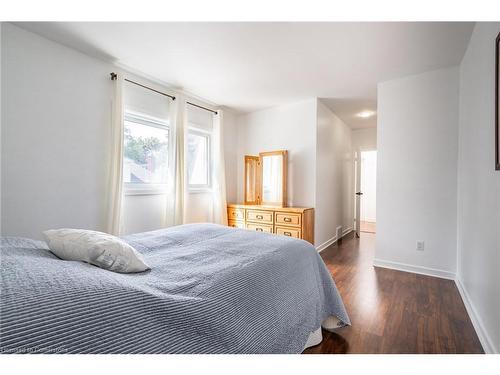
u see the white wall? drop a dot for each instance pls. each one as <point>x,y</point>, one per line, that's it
<point>55,132</point>
<point>55,150</point>
<point>56,117</point>
<point>290,127</point>
<point>333,176</point>
<point>417,171</point>
<point>364,139</point>
<point>231,155</point>
<point>142,213</point>
<point>479,187</point>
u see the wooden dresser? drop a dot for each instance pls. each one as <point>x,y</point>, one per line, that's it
<point>295,222</point>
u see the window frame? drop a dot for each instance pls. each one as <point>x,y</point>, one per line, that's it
<point>130,188</point>
<point>201,188</point>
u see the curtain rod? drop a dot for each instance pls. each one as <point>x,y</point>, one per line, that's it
<point>114,75</point>
<point>199,106</point>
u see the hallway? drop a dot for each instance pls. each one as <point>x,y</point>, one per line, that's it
<point>393,311</point>
<point>368,227</point>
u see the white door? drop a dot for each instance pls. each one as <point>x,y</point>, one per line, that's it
<point>357,191</point>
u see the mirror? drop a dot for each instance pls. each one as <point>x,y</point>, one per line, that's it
<point>266,178</point>
<point>252,175</point>
<point>273,166</point>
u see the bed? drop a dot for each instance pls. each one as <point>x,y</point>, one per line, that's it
<point>211,289</point>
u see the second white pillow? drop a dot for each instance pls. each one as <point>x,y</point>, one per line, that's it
<point>97,248</point>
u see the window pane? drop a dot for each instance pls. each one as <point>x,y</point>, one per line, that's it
<point>145,158</point>
<point>197,159</point>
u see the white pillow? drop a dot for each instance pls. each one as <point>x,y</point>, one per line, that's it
<point>97,248</point>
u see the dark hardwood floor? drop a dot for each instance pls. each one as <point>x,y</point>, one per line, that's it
<point>393,311</point>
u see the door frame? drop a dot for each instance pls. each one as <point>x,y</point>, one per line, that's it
<point>357,165</point>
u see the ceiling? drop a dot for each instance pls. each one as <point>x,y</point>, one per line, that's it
<point>250,66</point>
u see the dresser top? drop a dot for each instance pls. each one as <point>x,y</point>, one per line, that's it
<point>269,208</point>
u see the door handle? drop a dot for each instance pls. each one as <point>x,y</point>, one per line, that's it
<point>359,193</point>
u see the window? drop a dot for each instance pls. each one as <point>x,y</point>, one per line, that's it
<point>146,153</point>
<point>198,159</point>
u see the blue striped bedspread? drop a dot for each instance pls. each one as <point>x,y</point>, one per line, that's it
<point>211,289</point>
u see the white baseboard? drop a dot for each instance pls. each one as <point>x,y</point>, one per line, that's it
<point>325,244</point>
<point>414,269</point>
<point>481,332</point>
<point>346,231</point>
<point>332,240</point>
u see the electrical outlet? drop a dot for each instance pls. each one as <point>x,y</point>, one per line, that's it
<point>420,245</point>
<point>339,232</point>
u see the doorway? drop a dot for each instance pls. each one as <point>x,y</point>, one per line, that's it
<point>366,192</point>
<point>368,218</point>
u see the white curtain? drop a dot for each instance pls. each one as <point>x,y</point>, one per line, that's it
<point>115,183</point>
<point>179,120</point>
<point>218,171</point>
<point>210,204</point>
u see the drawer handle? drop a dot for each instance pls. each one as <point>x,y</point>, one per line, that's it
<point>287,234</point>
<point>259,229</point>
<point>287,220</point>
<point>260,217</point>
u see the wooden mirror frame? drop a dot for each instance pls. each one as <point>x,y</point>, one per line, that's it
<point>284,172</point>
<point>497,98</point>
<point>257,187</point>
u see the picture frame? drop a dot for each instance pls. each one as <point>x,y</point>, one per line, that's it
<point>497,99</point>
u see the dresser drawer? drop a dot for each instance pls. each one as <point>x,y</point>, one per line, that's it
<point>260,216</point>
<point>288,218</point>
<point>235,213</point>
<point>260,227</point>
<point>236,224</point>
<point>290,232</point>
